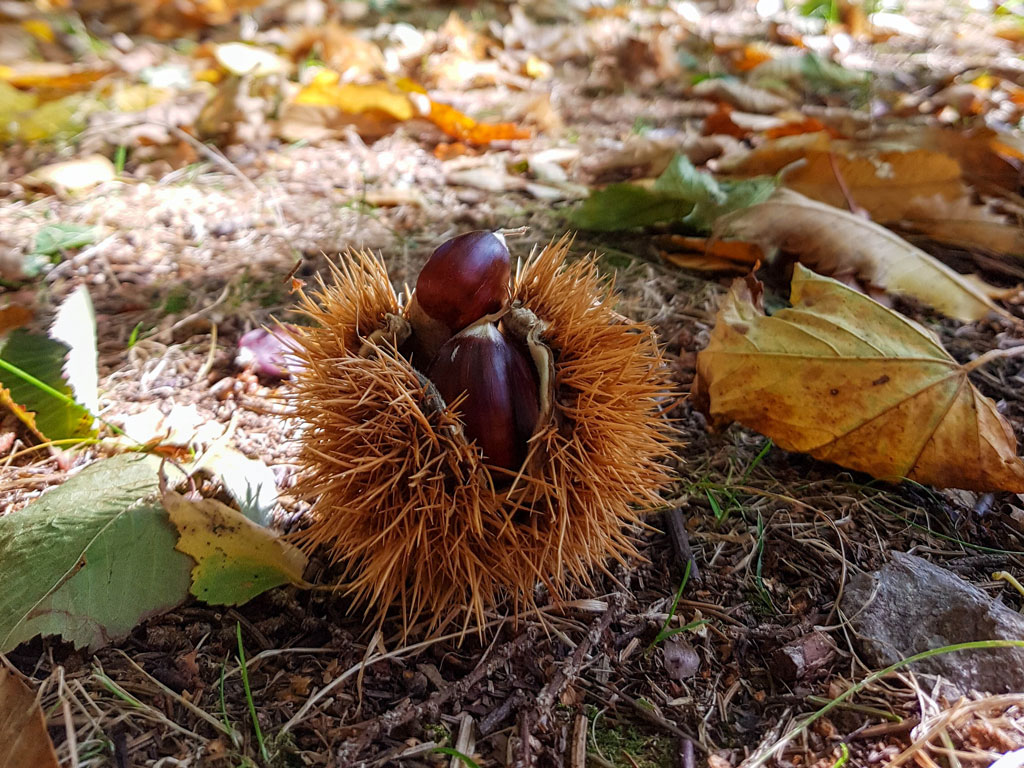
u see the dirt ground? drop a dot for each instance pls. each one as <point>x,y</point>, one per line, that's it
<point>197,255</point>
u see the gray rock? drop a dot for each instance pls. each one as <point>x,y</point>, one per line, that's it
<point>911,605</point>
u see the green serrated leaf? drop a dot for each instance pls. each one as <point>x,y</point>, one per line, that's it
<point>627,206</point>
<point>43,359</point>
<point>91,558</point>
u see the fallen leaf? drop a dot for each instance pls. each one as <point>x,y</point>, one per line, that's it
<point>681,193</point>
<point>244,59</point>
<point>236,559</point>
<point>720,121</point>
<point>711,254</point>
<point>52,75</point>
<point>250,482</point>
<point>42,358</point>
<point>90,558</point>
<point>325,90</point>
<point>626,206</point>
<point>846,380</point>
<point>462,127</point>
<point>741,95</point>
<point>884,183</point>
<point>964,224</point>
<point>72,175</point>
<point>772,156</point>
<point>836,242</point>
<point>711,198</point>
<point>991,162</point>
<point>23,731</point>
<point>28,120</point>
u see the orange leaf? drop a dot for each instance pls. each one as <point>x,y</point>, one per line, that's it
<point>720,122</point>
<point>462,127</point>
<point>712,254</point>
<point>807,125</point>
<point>842,378</point>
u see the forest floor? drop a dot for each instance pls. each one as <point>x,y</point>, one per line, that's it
<point>197,244</point>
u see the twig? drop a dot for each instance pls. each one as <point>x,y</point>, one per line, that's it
<point>429,709</point>
<point>675,521</point>
<point>548,696</point>
<point>993,354</point>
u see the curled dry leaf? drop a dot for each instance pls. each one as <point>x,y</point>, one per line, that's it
<point>836,242</point>
<point>742,96</point>
<point>26,743</point>
<point>842,378</point>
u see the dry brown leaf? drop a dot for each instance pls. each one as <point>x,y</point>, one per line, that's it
<point>842,378</point>
<point>708,254</point>
<point>740,95</point>
<point>964,224</point>
<point>836,242</point>
<point>54,76</point>
<point>772,156</point>
<point>883,183</point>
<point>26,744</point>
<point>351,56</point>
<point>720,121</point>
<point>990,161</point>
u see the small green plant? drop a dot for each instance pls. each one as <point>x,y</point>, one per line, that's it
<point>177,300</point>
<point>626,746</point>
<point>665,633</point>
<point>120,156</point>
<point>465,759</point>
<point>248,694</point>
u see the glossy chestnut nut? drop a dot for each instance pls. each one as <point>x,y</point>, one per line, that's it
<point>501,404</point>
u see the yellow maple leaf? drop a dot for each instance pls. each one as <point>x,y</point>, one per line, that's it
<point>846,380</point>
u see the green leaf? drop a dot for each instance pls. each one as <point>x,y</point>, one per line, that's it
<point>681,194</point>
<point>626,206</point>
<point>710,198</point>
<point>90,559</point>
<point>236,559</point>
<point>53,239</point>
<point>43,359</point>
<point>823,76</point>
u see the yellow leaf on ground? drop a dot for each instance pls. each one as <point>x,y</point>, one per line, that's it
<point>842,378</point>
<point>236,559</point>
<point>836,242</point>
<point>26,743</point>
<point>326,91</point>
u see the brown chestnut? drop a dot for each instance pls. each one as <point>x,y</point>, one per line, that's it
<point>501,404</point>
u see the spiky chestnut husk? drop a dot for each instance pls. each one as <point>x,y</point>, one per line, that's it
<point>405,503</point>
